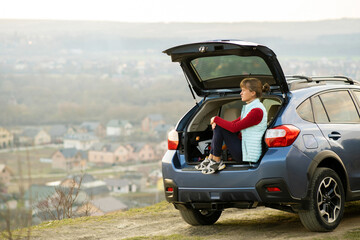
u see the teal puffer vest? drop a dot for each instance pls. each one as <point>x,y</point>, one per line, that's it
<point>252,136</point>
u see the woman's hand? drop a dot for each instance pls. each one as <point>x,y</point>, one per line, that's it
<point>213,125</point>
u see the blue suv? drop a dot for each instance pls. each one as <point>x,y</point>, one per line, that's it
<point>310,161</point>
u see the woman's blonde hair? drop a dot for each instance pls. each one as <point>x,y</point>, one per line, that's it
<point>255,85</point>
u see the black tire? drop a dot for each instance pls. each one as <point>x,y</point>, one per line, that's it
<point>325,208</point>
<point>199,217</point>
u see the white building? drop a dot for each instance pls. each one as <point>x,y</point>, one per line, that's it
<point>80,141</point>
<point>120,185</point>
<point>118,128</point>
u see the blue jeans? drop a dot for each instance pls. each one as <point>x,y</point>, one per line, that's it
<point>231,140</point>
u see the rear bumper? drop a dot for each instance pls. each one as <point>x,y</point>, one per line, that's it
<point>259,193</point>
<point>236,185</point>
<point>281,194</point>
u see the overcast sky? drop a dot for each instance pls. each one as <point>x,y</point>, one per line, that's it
<point>181,10</point>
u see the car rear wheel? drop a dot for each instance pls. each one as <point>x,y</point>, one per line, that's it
<point>197,217</point>
<point>325,208</point>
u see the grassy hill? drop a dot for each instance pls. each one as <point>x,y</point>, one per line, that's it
<point>162,221</point>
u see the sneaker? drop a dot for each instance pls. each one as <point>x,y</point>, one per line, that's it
<point>213,167</point>
<point>203,164</point>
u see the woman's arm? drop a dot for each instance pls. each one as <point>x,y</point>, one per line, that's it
<point>254,117</point>
<point>234,121</point>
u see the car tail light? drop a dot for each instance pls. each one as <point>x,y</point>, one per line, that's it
<point>170,189</point>
<point>281,136</point>
<point>173,140</point>
<point>273,189</point>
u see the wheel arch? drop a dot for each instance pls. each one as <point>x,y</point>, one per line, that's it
<point>330,159</point>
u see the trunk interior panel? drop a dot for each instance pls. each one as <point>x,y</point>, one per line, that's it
<point>198,133</point>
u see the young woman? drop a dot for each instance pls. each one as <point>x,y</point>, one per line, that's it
<point>242,136</point>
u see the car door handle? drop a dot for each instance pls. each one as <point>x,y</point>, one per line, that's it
<point>334,135</point>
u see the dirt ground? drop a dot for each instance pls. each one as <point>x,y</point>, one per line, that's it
<point>259,223</point>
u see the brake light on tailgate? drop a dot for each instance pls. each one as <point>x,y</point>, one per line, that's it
<point>281,136</point>
<point>173,140</point>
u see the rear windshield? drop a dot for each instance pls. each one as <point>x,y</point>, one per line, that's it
<point>208,68</point>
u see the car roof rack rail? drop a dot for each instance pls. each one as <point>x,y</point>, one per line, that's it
<point>308,79</point>
<point>335,78</point>
<point>300,81</point>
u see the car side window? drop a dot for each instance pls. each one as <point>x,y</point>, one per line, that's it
<point>305,111</point>
<point>357,95</point>
<point>340,107</point>
<point>319,111</point>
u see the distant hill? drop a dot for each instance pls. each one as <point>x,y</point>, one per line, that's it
<point>73,71</point>
<point>331,37</point>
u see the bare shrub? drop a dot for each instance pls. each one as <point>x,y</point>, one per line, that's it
<point>16,217</point>
<point>61,204</point>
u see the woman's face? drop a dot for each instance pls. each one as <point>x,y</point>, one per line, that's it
<point>247,95</point>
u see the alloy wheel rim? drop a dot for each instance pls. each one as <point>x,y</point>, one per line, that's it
<point>329,200</point>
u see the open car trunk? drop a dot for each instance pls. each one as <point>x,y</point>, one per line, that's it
<point>214,70</point>
<point>218,66</point>
<point>198,133</point>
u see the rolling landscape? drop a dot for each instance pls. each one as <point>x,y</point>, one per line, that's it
<point>110,84</point>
